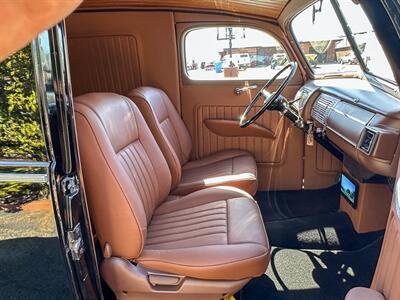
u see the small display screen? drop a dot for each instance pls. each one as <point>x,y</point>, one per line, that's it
<point>349,190</point>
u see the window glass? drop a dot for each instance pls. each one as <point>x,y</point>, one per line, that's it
<point>326,47</point>
<point>20,131</point>
<point>221,53</point>
<point>323,41</point>
<point>371,50</point>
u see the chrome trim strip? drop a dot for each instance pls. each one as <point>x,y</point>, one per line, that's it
<point>24,164</point>
<point>21,177</point>
<point>372,145</point>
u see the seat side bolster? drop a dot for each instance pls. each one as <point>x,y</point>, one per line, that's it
<point>111,227</point>
<point>149,115</point>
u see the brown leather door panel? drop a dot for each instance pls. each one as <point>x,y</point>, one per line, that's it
<point>231,128</point>
<point>209,141</point>
<point>276,145</point>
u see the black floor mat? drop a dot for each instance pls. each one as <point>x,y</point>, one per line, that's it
<point>291,204</point>
<point>316,253</point>
<point>328,231</point>
<point>295,274</point>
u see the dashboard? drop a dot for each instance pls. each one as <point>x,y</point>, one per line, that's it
<point>356,118</point>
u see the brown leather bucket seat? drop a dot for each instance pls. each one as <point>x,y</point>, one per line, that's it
<point>204,245</point>
<point>230,168</point>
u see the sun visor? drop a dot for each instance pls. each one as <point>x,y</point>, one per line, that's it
<point>22,20</point>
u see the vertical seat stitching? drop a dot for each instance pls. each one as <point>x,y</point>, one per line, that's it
<point>151,173</point>
<point>136,179</point>
<point>142,169</point>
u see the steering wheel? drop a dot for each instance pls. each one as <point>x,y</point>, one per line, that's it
<point>270,98</point>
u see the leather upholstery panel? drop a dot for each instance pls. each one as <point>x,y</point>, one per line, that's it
<point>176,229</point>
<point>231,168</point>
<point>104,63</point>
<point>325,161</point>
<point>219,235</point>
<point>387,273</point>
<point>321,168</point>
<point>232,128</point>
<point>167,117</point>
<point>153,33</point>
<point>119,158</point>
<point>140,170</point>
<point>207,142</point>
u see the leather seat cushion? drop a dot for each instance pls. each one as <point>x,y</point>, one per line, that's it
<point>214,233</point>
<point>230,168</point>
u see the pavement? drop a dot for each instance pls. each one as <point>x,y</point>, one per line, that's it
<point>31,265</point>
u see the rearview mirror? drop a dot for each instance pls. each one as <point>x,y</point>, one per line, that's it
<point>315,10</point>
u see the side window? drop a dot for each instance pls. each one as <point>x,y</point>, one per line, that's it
<point>20,132</point>
<point>221,53</point>
<point>31,261</point>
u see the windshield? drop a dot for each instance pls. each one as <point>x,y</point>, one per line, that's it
<point>368,45</point>
<point>326,47</point>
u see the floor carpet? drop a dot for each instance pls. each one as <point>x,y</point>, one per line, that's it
<point>316,254</point>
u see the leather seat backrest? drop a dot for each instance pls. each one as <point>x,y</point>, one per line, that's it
<point>126,176</point>
<point>167,127</point>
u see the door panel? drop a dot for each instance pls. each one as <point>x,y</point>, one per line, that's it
<point>210,141</point>
<point>201,103</point>
<point>274,142</point>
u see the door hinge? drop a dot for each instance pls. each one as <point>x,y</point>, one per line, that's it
<point>69,189</point>
<point>75,242</point>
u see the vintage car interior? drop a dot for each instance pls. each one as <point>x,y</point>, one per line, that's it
<point>239,149</point>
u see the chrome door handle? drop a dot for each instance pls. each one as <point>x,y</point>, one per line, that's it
<point>239,90</point>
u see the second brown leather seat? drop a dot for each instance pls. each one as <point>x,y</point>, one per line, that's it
<point>230,168</point>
